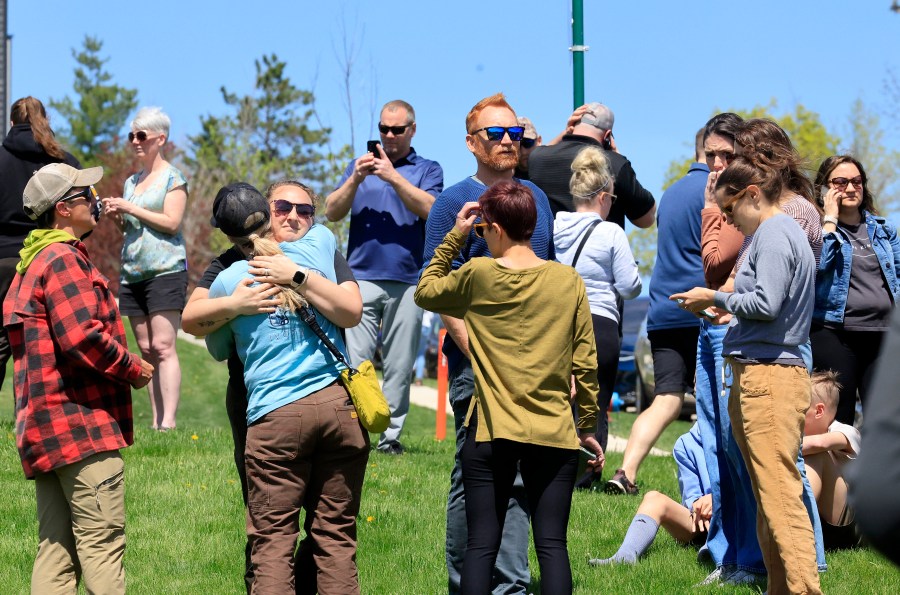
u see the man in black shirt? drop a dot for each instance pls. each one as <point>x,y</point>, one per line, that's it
<point>550,167</point>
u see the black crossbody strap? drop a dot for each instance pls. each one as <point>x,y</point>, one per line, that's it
<point>309,317</point>
<point>584,238</point>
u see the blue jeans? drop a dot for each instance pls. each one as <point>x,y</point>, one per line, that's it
<point>732,530</point>
<point>511,574</point>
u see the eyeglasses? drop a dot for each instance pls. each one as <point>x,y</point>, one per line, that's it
<point>729,208</point>
<point>841,183</point>
<point>396,130</point>
<point>89,194</point>
<point>140,135</point>
<point>527,143</point>
<point>480,228</point>
<point>284,208</point>
<point>496,132</point>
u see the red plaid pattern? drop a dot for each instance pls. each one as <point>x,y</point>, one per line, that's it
<point>72,365</point>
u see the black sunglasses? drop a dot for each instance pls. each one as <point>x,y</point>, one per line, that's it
<point>141,135</point>
<point>89,194</point>
<point>283,207</point>
<point>496,132</point>
<point>527,143</point>
<point>396,130</point>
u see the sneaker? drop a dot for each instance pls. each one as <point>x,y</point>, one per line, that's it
<point>714,577</point>
<point>620,484</point>
<point>391,448</point>
<point>744,577</point>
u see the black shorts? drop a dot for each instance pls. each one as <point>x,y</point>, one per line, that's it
<point>165,292</point>
<point>674,359</point>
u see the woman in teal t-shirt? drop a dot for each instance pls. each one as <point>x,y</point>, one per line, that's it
<point>154,263</point>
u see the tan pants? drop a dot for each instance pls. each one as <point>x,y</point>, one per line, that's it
<point>81,527</point>
<point>767,405</point>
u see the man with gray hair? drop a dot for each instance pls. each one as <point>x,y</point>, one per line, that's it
<point>388,196</point>
<point>550,167</point>
<point>530,140</point>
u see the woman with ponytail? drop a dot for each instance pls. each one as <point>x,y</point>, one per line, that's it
<point>29,146</point>
<point>772,304</point>
<point>607,265</point>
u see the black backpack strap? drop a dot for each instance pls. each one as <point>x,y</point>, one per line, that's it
<point>584,238</point>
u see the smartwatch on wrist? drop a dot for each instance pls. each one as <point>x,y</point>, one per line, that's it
<point>299,278</point>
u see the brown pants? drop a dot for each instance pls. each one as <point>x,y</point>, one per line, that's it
<point>81,527</point>
<point>767,405</point>
<point>313,449</point>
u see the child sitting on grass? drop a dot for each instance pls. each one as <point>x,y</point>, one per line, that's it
<point>687,521</point>
<point>827,447</point>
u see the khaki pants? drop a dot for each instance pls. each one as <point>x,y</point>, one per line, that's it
<point>81,527</point>
<point>767,406</point>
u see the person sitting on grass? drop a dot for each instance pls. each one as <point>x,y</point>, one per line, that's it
<point>827,447</point>
<point>687,522</point>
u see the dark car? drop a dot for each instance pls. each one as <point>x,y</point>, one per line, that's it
<point>644,385</point>
<point>634,313</point>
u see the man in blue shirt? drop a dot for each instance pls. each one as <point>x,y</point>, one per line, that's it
<point>496,160</point>
<point>672,331</point>
<point>388,196</point>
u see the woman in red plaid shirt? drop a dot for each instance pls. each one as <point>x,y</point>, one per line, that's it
<point>73,379</point>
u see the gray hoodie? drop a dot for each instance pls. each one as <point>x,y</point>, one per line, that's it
<point>606,263</point>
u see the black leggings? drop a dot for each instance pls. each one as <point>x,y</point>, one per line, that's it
<point>852,354</point>
<point>609,343</point>
<point>488,470</point>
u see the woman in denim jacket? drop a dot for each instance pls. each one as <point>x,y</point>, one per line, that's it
<point>856,284</point>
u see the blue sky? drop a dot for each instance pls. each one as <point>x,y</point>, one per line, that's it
<point>663,67</point>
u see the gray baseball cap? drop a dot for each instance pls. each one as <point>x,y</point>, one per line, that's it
<point>599,116</point>
<point>530,131</point>
<point>52,182</point>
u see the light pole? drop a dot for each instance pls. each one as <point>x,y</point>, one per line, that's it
<point>5,45</point>
<point>578,49</point>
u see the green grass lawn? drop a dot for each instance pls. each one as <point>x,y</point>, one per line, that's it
<point>186,523</point>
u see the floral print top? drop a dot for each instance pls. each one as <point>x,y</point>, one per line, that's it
<point>148,253</point>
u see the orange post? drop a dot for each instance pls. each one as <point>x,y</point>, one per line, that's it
<point>440,424</point>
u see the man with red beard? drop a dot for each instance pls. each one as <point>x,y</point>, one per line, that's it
<point>493,136</point>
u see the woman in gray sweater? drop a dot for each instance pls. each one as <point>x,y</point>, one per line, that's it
<point>772,306</point>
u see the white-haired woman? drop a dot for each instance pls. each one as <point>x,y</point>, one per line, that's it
<point>154,262</point>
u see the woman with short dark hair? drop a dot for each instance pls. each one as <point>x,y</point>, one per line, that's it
<point>530,331</point>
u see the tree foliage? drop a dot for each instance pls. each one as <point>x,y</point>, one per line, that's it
<point>268,135</point>
<point>866,143</point>
<point>99,109</point>
<point>810,137</point>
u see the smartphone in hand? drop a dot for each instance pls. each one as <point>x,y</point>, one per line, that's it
<point>372,147</point>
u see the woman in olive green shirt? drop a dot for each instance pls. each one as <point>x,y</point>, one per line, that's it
<point>530,336</point>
